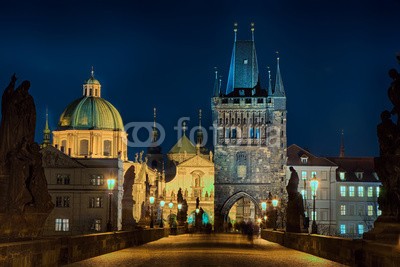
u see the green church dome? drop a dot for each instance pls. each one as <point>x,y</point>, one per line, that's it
<point>90,112</point>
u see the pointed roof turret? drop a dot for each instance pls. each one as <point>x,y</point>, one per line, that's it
<point>279,89</point>
<point>216,83</point>
<point>154,148</point>
<point>243,70</point>
<point>46,131</point>
<point>341,154</point>
<point>269,82</point>
<point>199,132</point>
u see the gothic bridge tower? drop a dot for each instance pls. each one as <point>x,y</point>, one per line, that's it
<point>250,137</point>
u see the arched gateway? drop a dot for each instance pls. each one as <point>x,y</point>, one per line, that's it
<point>235,198</point>
<point>250,133</point>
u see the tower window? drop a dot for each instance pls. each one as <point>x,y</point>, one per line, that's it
<point>246,61</point>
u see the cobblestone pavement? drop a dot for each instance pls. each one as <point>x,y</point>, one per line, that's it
<point>207,250</point>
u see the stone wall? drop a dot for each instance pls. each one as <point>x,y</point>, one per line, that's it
<point>353,252</point>
<point>63,250</point>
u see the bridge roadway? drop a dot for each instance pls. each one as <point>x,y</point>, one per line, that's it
<point>207,250</point>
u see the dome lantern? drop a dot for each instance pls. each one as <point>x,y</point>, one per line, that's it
<point>92,86</point>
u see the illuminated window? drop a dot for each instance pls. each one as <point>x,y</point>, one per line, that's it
<point>377,191</point>
<point>96,179</point>
<point>342,229</point>
<point>370,191</point>
<point>342,191</point>
<point>361,191</point>
<point>360,229</point>
<point>342,175</point>
<point>246,61</point>
<point>351,191</point>
<point>97,225</point>
<point>62,225</point>
<point>342,209</point>
<point>84,147</point>
<point>313,174</point>
<point>95,202</point>
<point>304,175</point>
<point>379,212</point>
<point>62,202</point>
<point>370,210</point>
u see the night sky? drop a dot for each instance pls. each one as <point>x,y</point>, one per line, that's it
<point>334,57</point>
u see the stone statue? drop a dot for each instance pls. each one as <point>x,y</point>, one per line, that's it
<point>141,156</point>
<point>211,156</point>
<point>295,207</point>
<point>22,178</point>
<point>136,157</point>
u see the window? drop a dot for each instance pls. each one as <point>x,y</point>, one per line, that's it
<point>342,229</point>
<point>62,225</point>
<point>107,148</point>
<point>342,209</point>
<point>359,175</point>
<point>304,159</point>
<point>351,191</point>
<point>304,194</point>
<point>342,191</point>
<point>233,133</point>
<point>378,212</point>
<point>251,133</point>
<point>62,202</point>
<point>84,147</point>
<point>314,215</point>
<point>361,191</point>
<point>377,191</point>
<point>96,202</point>
<point>304,175</point>
<point>313,174</point>
<point>360,229</point>
<point>63,178</point>
<point>370,210</point>
<point>241,163</point>
<point>246,61</point>
<point>370,191</point>
<point>96,179</point>
<point>258,133</point>
<point>97,225</point>
<point>342,176</point>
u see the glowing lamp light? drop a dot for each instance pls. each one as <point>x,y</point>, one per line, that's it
<point>314,185</point>
<point>259,220</point>
<point>151,199</point>
<point>265,217</point>
<point>197,211</point>
<point>110,184</point>
<point>275,202</point>
<point>179,206</point>
<point>264,206</point>
<point>162,203</point>
<point>170,205</point>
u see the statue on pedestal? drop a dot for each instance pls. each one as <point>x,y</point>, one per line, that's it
<point>22,180</point>
<point>295,207</point>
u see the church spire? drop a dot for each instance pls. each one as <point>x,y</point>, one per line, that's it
<point>269,82</point>
<point>155,133</point>
<point>341,155</point>
<point>46,131</point>
<point>216,83</point>
<point>235,25</point>
<point>252,31</point>
<point>199,132</point>
<point>279,89</point>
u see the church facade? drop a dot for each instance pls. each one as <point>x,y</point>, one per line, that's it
<point>250,137</point>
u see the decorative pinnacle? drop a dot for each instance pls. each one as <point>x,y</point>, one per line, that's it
<point>184,127</point>
<point>155,115</point>
<point>92,72</point>
<point>199,118</point>
<point>269,72</point>
<point>216,72</point>
<point>277,55</point>
<point>252,30</point>
<point>235,29</point>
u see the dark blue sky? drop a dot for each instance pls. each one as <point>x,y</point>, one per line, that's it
<point>334,59</point>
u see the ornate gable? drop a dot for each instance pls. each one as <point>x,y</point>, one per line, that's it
<point>54,158</point>
<point>196,161</point>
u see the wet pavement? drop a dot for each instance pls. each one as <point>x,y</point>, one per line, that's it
<point>207,250</point>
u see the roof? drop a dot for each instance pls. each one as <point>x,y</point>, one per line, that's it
<point>92,80</point>
<point>352,165</point>
<point>295,153</point>
<point>90,113</point>
<point>183,145</point>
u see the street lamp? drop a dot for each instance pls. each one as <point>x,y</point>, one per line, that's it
<point>170,206</point>
<point>151,200</point>
<point>110,185</point>
<point>179,214</point>
<point>314,187</point>
<point>275,204</point>
<point>162,204</point>
<point>264,209</point>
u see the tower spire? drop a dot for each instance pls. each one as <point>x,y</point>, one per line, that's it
<point>46,131</point>
<point>341,155</point>
<point>199,132</point>
<point>269,82</point>
<point>216,83</point>
<point>155,133</point>
<point>235,29</point>
<point>279,89</point>
<point>252,31</point>
<point>92,72</point>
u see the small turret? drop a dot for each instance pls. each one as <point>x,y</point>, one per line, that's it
<point>46,132</point>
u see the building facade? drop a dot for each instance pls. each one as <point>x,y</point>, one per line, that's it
<point>250,141</point>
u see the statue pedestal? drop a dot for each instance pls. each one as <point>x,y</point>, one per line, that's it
<point>4,180</point>
<point>386,230</point>
<point>14,226</point>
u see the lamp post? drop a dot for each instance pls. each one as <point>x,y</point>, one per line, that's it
<point>314,187</point>
<point>275,204</point>
<point>179,214</point>
<point>170,206</point>
<point>264,209</point>
<point>162,204</point>
<point>110,185</point>
<point>151,200</point>
<point>307,217</point>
